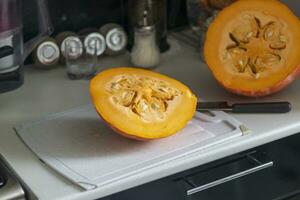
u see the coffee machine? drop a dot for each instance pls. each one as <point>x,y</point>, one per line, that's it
<point>13,51</point>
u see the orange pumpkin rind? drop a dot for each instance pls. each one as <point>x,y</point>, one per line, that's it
<point>252,47</point>
<point>141,104</point>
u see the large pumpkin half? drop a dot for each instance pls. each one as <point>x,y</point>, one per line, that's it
<point>142,104</point>
<point>253,47</point>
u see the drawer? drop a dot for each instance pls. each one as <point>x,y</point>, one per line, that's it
<point>242,178</point>
<point>270,172</point>
<point>291,196</point>
<point>163,189</point>
<point>294,197</point>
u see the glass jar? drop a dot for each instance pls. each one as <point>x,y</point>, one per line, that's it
<point>145,52</point>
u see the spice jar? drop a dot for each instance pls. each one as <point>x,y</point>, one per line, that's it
<point>46,54</point>
<point>145,52</point>
<point>94,43</point>
<point>157,14</point>
<point>115,37</point>
<point>61,39</point>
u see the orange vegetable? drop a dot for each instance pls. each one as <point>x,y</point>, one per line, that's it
<point>142,104</point>
<point>253,47</point>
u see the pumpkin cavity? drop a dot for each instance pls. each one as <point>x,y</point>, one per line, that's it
<point>146,97</point>
<point>255,46</point>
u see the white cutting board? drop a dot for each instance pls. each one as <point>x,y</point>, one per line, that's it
<point>78,145</point>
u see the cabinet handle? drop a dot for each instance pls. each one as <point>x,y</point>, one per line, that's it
<point>230,178</point>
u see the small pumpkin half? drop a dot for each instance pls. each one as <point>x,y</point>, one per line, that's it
<point>253,47</point>
<point>142,104</point>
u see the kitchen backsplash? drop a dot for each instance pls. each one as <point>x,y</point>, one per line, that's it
<point>77,14</point>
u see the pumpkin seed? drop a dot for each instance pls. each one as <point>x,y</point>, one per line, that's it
<point>241,63</point>
<point>231,46</point>
<point>127,98</point>
<point>155,106</point>
<point>234,39</point>
<point>258,23</point>
<point>115,86</point>
<point>271,31</point>
<point>269,34</point>
<point>273,58</point>
<point>257,76</point>
<point>253,67</point>
<point>238,51</point>
<point>143,104</point>
<point>278,45</point>
<point>249,35</point>
<point>282,38</point>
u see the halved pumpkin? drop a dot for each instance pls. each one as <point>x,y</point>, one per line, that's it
<point>253,47</point>
<point>142,104</point>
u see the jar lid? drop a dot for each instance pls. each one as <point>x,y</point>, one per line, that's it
<point>48,52</point>
<point>72,47</point>
<point>95,43</point>
<point>116,39</point>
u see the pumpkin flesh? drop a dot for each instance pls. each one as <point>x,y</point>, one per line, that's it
<point>252,47</point>
<point>141,104</point>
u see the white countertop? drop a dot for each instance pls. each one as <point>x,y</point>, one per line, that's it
<point>50,91</point>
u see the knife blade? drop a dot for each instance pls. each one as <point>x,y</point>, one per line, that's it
<point>264,107</point>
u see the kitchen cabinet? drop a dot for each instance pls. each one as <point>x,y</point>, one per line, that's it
<point>276,176</point>
<point>295,196</point>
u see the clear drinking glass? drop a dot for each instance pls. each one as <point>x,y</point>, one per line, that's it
<point>80,62</point>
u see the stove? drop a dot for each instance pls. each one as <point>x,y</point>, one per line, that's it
<point>10,187</point>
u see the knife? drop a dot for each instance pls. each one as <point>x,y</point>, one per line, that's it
<point>265,107</point>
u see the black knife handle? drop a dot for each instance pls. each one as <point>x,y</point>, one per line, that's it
<point>268,107</point>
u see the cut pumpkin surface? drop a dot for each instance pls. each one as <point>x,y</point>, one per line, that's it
<point>142,104</point>
<point>253,47</point>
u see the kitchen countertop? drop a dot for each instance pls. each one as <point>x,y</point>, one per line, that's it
<point>50,91</point>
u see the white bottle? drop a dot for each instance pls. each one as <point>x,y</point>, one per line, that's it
<point>145,52</point>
